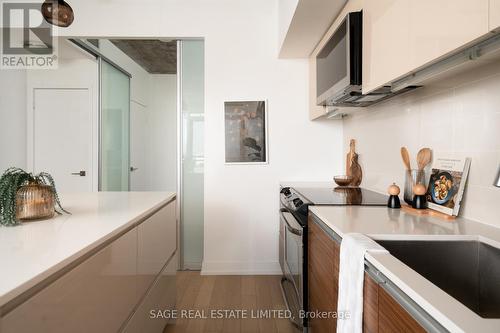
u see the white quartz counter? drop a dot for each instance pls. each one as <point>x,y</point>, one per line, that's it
<point>381,223</point>
<point>33,251</point>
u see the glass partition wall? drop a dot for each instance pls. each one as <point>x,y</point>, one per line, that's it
<point>191,142</point>
<point>115,129</point>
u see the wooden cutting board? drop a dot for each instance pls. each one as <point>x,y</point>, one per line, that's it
<point>352,166</point>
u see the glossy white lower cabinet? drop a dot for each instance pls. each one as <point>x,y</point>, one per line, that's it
<point>159,299</point>
<point>101,293</point>
<point>96,296</point>
<point>157,241</point>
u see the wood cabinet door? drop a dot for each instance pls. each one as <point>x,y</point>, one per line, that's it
<point>392,318</point>
<point>323,274</point>
<point>370,305</point>
<point>494,15</point>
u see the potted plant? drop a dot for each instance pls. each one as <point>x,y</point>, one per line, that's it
<point>25,196</point>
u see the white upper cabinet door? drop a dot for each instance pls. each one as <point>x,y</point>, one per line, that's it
<point>440,27</point>
<point>399,36</point>
<point>386,47</point>
<point>494,14</point>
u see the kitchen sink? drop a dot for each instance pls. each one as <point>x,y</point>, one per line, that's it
<point>469,271</point>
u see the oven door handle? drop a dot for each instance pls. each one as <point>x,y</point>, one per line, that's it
<point>293,230</point>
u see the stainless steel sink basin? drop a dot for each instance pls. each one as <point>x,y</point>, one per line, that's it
<point>469,271</point>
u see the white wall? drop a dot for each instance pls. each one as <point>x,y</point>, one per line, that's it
<point>162,118</point>
<point>12,119</point>
<point>241,38</point>
<point>459,114</point>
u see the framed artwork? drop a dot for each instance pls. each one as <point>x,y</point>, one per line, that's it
<point>246,132</point>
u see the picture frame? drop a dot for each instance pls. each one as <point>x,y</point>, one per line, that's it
<point>245,132</point>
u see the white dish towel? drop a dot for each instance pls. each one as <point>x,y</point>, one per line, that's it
<point>351,276</point>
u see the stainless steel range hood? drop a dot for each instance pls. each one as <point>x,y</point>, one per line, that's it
<point>357,99</point>
<point>488,47</point>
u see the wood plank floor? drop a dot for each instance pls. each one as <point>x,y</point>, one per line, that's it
<point>206,293</point>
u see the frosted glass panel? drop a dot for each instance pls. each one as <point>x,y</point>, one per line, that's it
<point>115,129</point>
<point>192,116</point>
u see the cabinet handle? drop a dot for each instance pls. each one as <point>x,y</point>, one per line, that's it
<point>82,173</point>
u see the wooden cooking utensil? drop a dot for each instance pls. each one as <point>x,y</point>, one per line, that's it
<point>406,157</point>
<point>423,158</point>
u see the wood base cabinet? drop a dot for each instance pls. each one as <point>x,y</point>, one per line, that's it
<point>381,312</point>
<point>323,275</point>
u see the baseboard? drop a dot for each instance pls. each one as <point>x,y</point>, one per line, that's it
<point>192,266</point>
<point>240,268</point>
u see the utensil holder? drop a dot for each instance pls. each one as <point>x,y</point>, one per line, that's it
<point>412,177</point>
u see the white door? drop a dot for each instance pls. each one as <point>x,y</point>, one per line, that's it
<point>62,137</point>
<point>138,144</point>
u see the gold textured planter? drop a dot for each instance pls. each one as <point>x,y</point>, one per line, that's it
<point>35,201</point>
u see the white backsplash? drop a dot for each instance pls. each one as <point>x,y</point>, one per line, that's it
<point>459,114</point>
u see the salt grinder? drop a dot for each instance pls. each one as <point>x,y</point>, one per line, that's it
<point>394,196</point>
<point>419,200</point>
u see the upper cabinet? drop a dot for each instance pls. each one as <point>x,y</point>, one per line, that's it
<point>494,15</point>
<point>385,41</point>
<point>302,24</point>
<point>400,36</point>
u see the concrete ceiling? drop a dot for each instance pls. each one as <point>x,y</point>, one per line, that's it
<point>155,56</point>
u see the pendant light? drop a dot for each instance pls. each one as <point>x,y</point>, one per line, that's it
<point>58,12</point>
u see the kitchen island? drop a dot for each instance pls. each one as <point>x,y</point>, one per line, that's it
<point>385,225</point>
<point>109,255</point>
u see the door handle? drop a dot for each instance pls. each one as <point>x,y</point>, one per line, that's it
<point>293,230</point>
<point>132,169</point>
<point>82,173</point>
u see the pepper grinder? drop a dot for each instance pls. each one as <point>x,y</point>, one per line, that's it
<point>419,200</point>
<point>394,196</point>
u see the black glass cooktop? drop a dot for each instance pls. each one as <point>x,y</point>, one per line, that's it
<point>342,196</point>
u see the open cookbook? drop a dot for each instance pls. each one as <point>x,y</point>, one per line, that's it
<point>447,183</point>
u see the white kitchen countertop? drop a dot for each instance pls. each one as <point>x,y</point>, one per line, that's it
<point>381,223</point>
<point>33,251</point>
